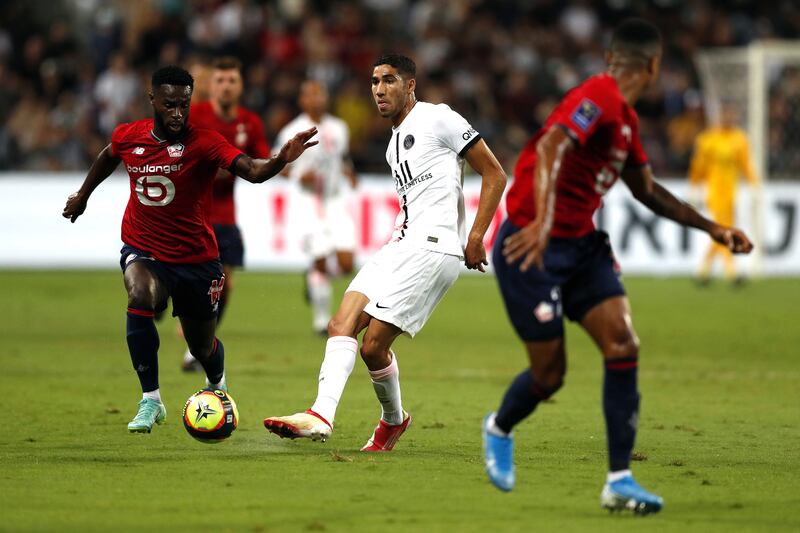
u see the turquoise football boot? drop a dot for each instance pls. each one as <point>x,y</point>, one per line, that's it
<point>150,412</point>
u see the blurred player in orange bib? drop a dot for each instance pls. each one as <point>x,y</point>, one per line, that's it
<point>721,156</point>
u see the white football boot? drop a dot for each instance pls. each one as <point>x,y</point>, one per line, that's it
<point>306,425</point>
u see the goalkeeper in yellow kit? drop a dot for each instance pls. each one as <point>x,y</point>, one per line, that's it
<point>721,156</point>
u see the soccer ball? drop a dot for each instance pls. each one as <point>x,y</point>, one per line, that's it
<point>210,415</point>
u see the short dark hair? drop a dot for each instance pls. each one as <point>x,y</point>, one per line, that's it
<point>404,65</point>
<point>637,39</point>
<point>171,75</point>
<point>227,63</point>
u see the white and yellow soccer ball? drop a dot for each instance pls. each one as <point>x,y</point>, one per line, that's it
<point>210,415</point>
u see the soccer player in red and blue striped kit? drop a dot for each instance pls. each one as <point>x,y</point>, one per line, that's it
<point>169,247</point>
<point>551,261</point>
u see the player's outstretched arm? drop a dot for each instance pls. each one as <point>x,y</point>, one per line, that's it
<point>663,203</point>
<point>530,242</point>
<point>481,158</point>
<point>102,168</point>
<point>260,170</point>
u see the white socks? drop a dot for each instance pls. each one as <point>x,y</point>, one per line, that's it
<point>616,476</point>
<point>340,358</point>
<point>152,395</point>
<point>493,428</point>
<point>319,291</point>
<point>386,383</point>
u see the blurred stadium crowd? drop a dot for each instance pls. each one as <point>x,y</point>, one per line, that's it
<point>72,69</point>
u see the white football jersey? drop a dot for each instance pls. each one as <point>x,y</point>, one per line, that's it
<point>426,156</point>
<point>326,159</point>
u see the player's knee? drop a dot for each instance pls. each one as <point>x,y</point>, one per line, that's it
<point>623,343</point>
<point>142,296</point>
<point>550,382</point>
<point>374,354</point>
<point>338,327</point>
<point>346,266</point>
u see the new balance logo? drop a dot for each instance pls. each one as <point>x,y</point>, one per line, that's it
<point>138,150</point>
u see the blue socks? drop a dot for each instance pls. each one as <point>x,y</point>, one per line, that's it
<point>143,346</point>
<point>621,409</point>
<point>519,402</point>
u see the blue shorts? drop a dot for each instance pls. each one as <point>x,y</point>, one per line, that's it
<point>231,246</point>
<point>195,288</point>
<point>578,274</point>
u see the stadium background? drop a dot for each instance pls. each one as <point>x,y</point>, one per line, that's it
<point>69,73</point>
<point>721,412</point>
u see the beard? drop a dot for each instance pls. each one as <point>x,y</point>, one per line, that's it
<point>169,135</point>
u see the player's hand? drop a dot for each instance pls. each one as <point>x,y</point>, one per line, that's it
<point>76,205</point>
<point>527,244</point>
<point>298,144</point>
<point>733,238</point>
<point>475,254</point>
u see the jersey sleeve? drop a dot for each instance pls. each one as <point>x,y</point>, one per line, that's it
<point>259,148</point>
<point>220,151</point>
<point>455,132</point>
<point>584,109</point>
<point>117,137</point>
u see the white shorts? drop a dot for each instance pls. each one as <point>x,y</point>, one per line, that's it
<point>326,226</point>
<point>405,283</point>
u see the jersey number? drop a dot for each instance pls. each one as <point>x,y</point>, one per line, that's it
<point>155,190</point>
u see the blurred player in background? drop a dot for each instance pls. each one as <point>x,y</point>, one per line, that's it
<point>169,247</point>
<point>398,288</point>
<point>200,69</point>
<point>243,129</point>
<point>327,224</point>
<point>721,156</point>
<point>551,261</point>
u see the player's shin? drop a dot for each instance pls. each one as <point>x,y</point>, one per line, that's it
<point>214,365</point>
<point>319,291</point>
<point>621,409</point>
<point>386,383</point>
<point>143,344</point>
<point>522,397</point>
<point>340,358</point>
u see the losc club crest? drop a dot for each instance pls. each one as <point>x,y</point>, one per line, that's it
<point>176,150</point>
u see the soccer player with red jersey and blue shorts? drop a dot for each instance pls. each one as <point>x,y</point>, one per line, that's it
<point>243,129</point>
<point>551,262</point>
<point>169,249</point>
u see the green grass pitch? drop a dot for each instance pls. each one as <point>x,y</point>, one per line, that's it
<point>719,435</point>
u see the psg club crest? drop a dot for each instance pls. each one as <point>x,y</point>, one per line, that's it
<point>408,142</point>
<point>176,150</point>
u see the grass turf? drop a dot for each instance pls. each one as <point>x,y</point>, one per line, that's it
<point>718,437</point>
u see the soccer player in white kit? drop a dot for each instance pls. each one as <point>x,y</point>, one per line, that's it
<point>397,290</point>
<point>326,225</point>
